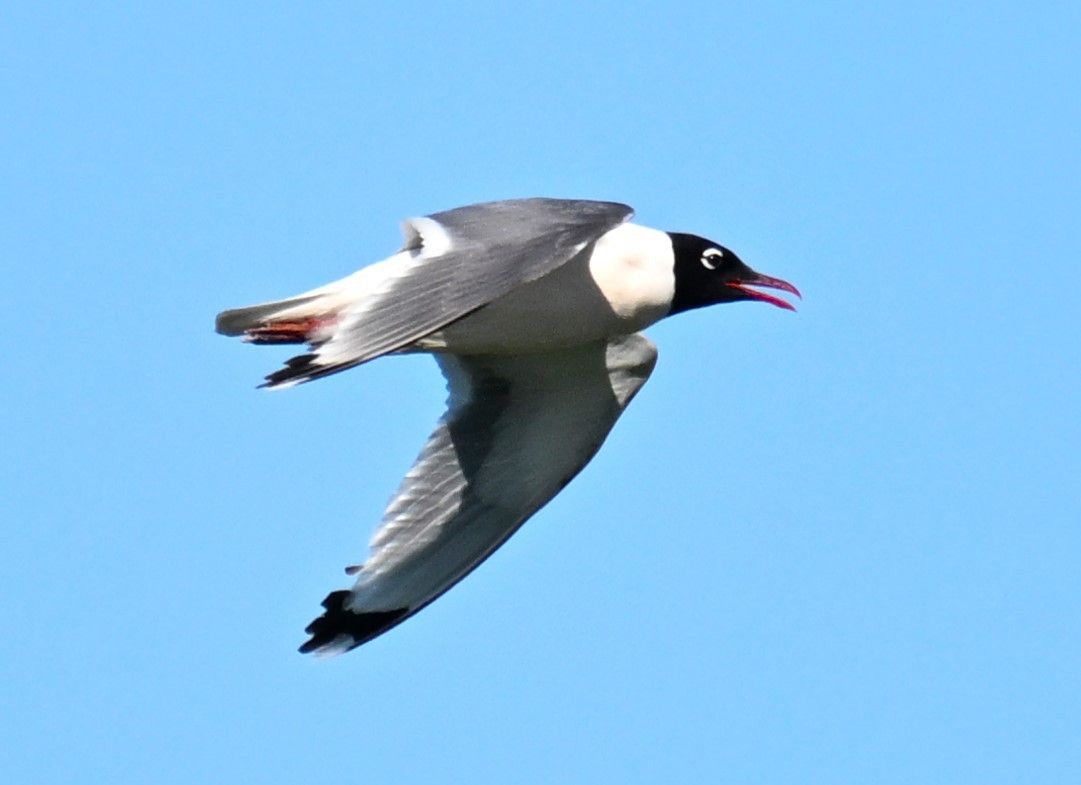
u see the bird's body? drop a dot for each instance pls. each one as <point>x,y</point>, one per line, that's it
<point>618,289</point>
<point>532,308</point>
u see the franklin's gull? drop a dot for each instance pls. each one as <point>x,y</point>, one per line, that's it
<point>532,309</point>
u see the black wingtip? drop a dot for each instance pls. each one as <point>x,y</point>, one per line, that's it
<point>297,369</point>
<point>342,629</point>
<point>306,368</point>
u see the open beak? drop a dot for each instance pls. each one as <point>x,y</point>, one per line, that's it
<point>765,282</point>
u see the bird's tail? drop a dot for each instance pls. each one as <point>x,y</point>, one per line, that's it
<point>293,320</point>
<point>310,318</point>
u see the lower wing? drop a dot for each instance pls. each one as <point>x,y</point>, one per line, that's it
<point>516,431</point>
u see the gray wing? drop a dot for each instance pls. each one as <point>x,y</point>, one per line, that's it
<point>517,430</point>
<point>452,263</point>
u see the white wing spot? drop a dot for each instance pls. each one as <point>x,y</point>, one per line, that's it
<point>426,236</point>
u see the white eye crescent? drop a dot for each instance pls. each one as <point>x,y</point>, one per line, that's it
<point>710,257</point>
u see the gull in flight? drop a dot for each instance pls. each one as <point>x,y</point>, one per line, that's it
<point>533,310</point>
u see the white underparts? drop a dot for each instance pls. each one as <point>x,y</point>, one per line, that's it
<point>634,267</point>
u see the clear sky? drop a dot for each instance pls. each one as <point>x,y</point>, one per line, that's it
<point>838,546</point>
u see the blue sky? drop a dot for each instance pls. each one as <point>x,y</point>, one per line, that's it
<point>838,546</point>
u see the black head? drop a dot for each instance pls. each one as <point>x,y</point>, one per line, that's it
<point>707,273</point>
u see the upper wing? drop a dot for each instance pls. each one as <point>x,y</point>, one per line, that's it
<point>451,264</point>
<point>517,430</point>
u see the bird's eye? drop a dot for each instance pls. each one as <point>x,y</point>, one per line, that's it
<point>711,257</point>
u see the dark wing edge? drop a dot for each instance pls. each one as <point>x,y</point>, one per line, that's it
<point>342,629</point>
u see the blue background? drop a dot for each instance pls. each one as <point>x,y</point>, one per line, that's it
<point>839,546</point>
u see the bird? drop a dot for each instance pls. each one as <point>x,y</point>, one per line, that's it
<point>533,310</point>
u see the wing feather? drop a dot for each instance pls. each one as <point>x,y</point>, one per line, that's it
<point>516,431</point>
<point>453,263</point>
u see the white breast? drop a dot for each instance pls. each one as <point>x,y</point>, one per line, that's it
<point>634,267</point>
<point>625,284</point>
